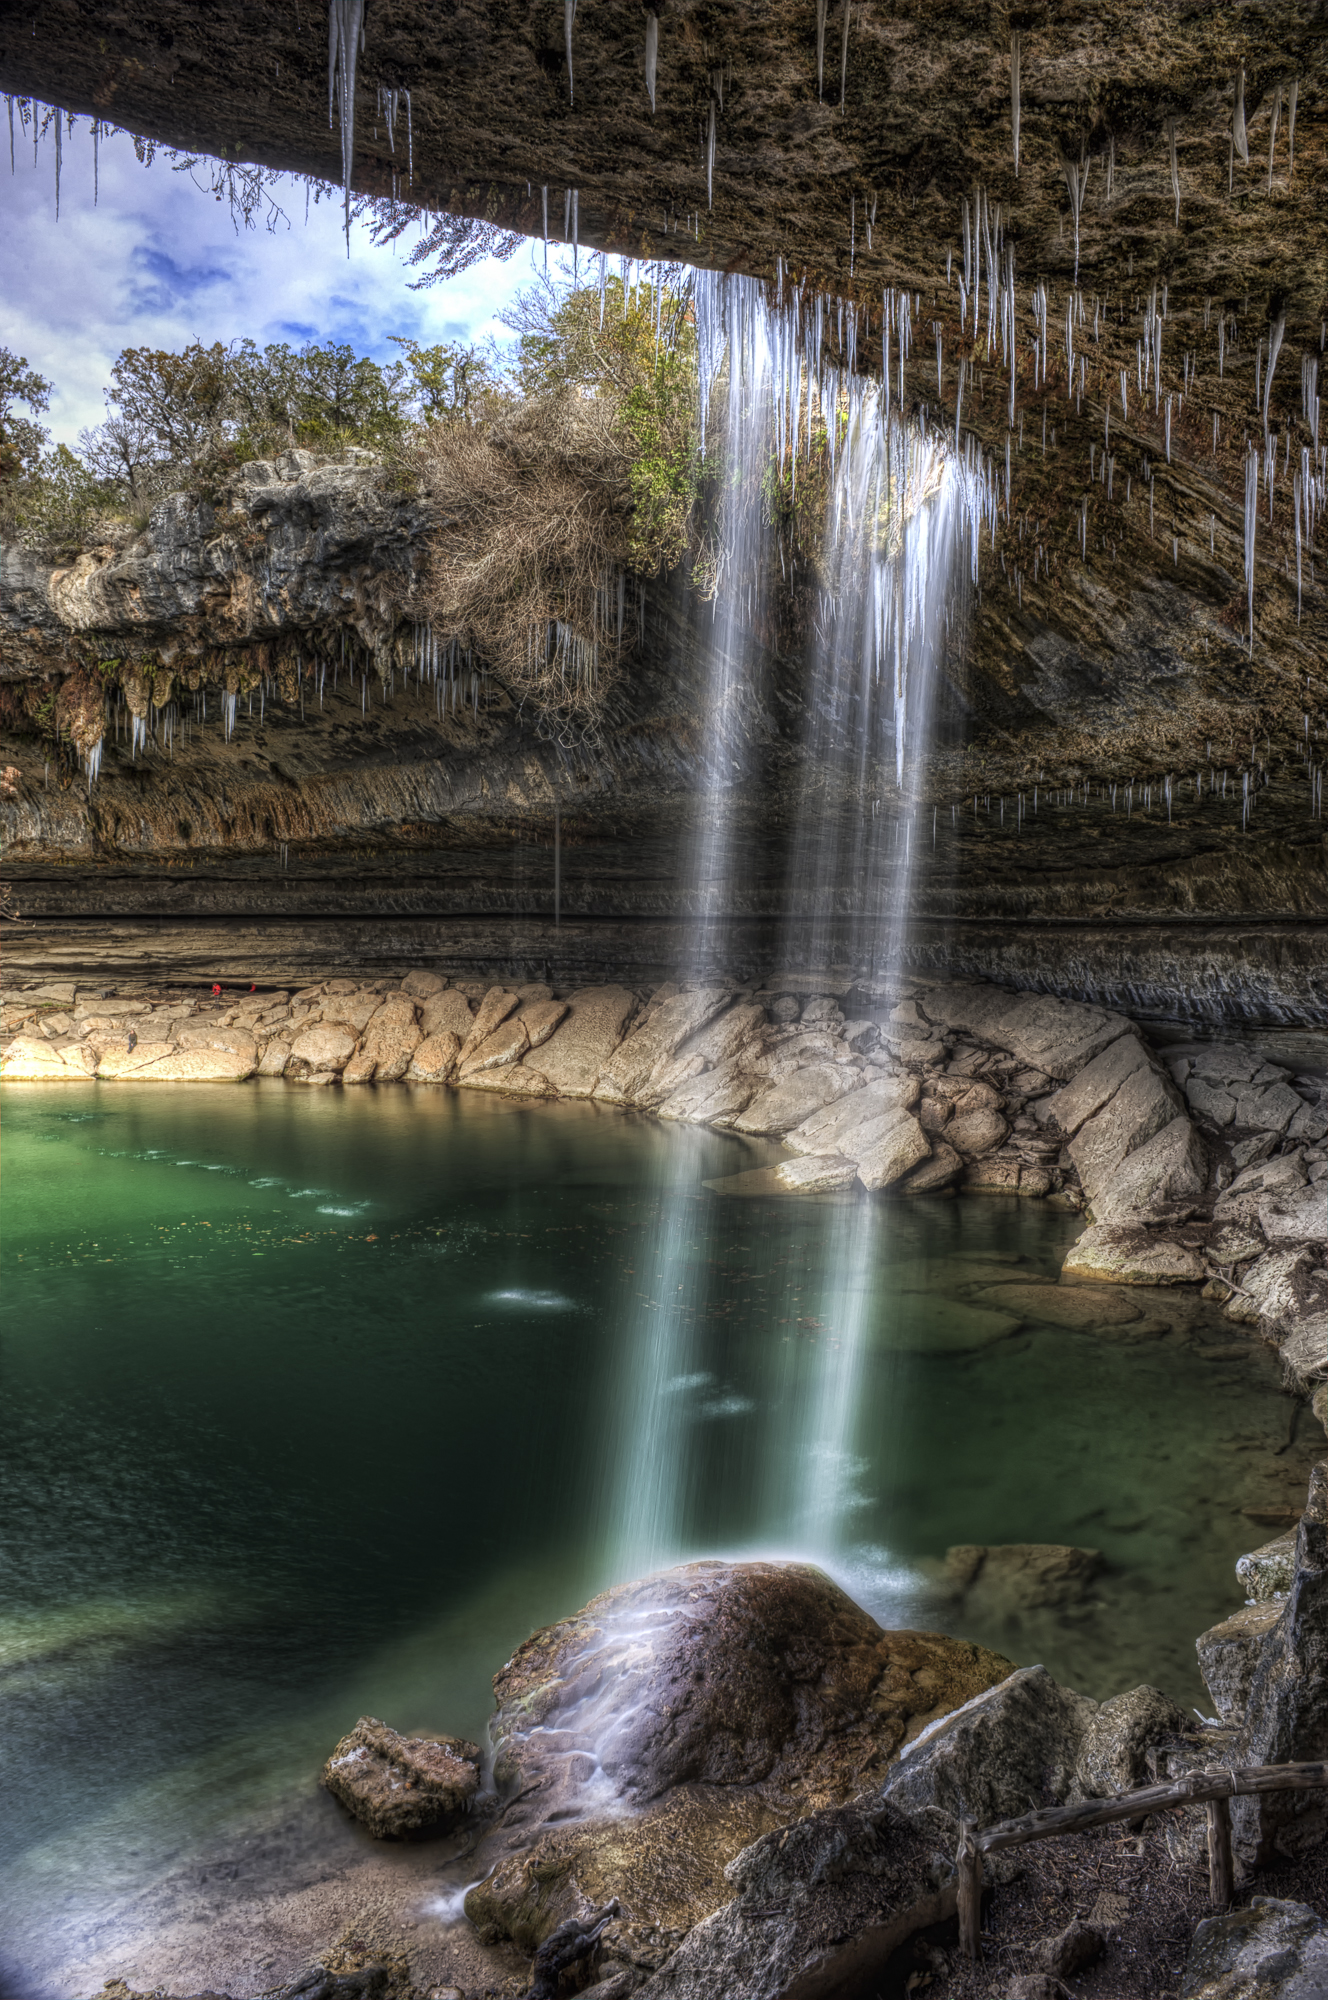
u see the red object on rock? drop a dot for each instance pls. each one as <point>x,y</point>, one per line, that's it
<point>216,992</point>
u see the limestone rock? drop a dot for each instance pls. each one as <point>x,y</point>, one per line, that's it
<point>1286,1718</point>
<point>722,1037</point>
<point>820,1908</point>
<point>818,1173</point>
<point>1114,1754</point>
<point>1057,1037</point>
<point>1270,1950</point>
<point>793,1099</point>
<point>507,1044</point>
<point>391,1038</point>
<point>274,1059</point>
<point>1070,1950</point>
<point>167,1065</point>
<point>423,985</point>
<point>1295,1217</point>
<point>1209,1100</point>
<point>32,1058</point>
<point>1072,1306</point>
<point>510,1080</point>
<point>446,1013</point>
<point>716,1097</point>
<point>708,1703</point>
<point>1096,1084</point>
<point>1116,1254</point>
<point>1267,1110</point>
<point>1015,1743</point>
<point>1304,1348</point>
<point>1007,1579</point>
<point>493,1009</point>
<point>323,1048</point>
<point>974,1132</point>
<point>577,1051</point>
<point>1280,1285</point>
<point>1168,1167</point>
<point>539,1018</point>
<point>1144,1104</point>
<point>890,1157</point>
<point>1228,1654</point>
<point>940,1171</point>
<point>352,1010</point>
<point>1267,1572</point>
<point>836,1128</point>
<point>212,1035</point>
<point>998,1173</point>
<point>402,1785</point>
<point>666,1027</point>
<point>432,1059</point>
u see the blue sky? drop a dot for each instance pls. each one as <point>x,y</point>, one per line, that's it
<point>158,262</point>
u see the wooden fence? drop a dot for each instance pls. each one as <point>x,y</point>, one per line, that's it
<point>1211,1788</point>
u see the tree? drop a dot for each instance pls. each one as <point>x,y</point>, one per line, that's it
<point>444,380</point>
<point>22,441</point>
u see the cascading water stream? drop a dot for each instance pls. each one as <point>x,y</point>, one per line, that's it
<point>897,507</point>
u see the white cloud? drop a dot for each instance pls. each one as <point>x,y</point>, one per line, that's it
<point>157,262</point>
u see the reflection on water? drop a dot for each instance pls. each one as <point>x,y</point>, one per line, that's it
<point>244,1506</point>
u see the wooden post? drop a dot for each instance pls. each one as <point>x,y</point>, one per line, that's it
<point>1219,1853</point>
<point>968,1864</point>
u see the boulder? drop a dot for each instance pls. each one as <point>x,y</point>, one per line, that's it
<point>1280,1285</point>
<point>510,1080</point>
<point>31,1058</point>
<point>1286,1717</point>
<point>507,1044</point>
<point>973,1132</point>
<point>1070,1950</point>
<point>577,1051</point>
<point>391,1038</point>
<point>1209,1100</point>
<point>353,1010</point>
<point>446,1013</point>
<point>1113,1756</point>
<point>722,1037</point>
<point>847,1125</point>
<point>1270,1950</point>
<point>168,1065</point>
<point>820,1173</point>
<point>1114,1253</point>
<point>1057,1037</point>
<point>999,1173</point>
<point>792,1099</point>
<point>360,1068</point>
<point>399,1786</point>
<point>666,1027</point>
<point>714,1098</point>
<point>423,985</point>
<point>1145,1102</point>
<point>1296,1216</point>
<point>820,1907</point>
<point>493,1009</point>
<point>1268,1110</point>
<point>323,1048</point>
<point>1096,1084</point>
<point>1170,1166</point>
<point>890,1157</point>
<point>1013,1745</point>
<point>1304,1348</point>
<point>539,1018</point>
<point>1228,1654</point>
<point>686,1714</point>
<point>431,1060</point>
<point>940,1171</point>
<point>1267,1572</point>
<point>274,1059</point>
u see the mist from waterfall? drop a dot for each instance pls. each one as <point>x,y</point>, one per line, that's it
<point>901,508</point>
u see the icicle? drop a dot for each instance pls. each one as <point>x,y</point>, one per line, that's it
<point>821,6</point>
<point>1239,137</point>
<point>1175,170</point>
<point>1272,135</point>
<point>1076,180</point>
<point>710,159</point>
<point>1276,329</point>
<point>1251,523</point>
<point>345,35</point>
<point>569,15</point>
<point>1291,126</point>
<point>652,56</point>
<point>1014,97</point>
<point>843,57</point>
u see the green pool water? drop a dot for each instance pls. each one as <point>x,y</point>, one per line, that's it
<point>315,1403</point>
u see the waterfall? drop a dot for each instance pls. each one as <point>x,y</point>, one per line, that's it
<point>903,508</point>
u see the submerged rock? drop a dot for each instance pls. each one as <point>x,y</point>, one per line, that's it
<point>641,1744</point>
<point>402,1785</point>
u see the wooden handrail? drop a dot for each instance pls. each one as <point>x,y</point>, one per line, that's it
<point>1211,1788</point>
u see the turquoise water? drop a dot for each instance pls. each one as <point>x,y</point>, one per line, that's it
<point>315,1403</point>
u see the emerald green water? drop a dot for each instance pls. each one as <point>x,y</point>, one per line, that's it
<point>316,1402</point>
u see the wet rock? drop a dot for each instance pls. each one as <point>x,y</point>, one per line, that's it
<point>942,1170</point>
<point>1286,1717</point>
<point>728,1032</point>
<point>1070,1950</point>
<point>642,1743</point>
<point>820,1907</point>
<point>1114,1754</point>
<point>666,1027</point>
<point>577,1051</point>
<point>323,1048</point>
<point>791,1101</point>
<point>1228,1653</point>
<point>398,1786</point>
<point>890,1156</point>
<point>510,1080</point>
<point>1114,1253</point>
<point>446,1013</point>
<point>1266,1572</point>
<point>976,1131</point>
<point>1056,1037</point>
<point>1271,1950</point>
<point>999,1173</point>
<point>212,1035</point>
<point>1015,1743</point>
<point>432,1060</point>
<point>820,1173</point>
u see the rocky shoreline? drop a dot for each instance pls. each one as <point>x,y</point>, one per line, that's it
<point>1199,1164</point>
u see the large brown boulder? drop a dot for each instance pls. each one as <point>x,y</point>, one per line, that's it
<point>645,1741</point>
<point>400,1786</point>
